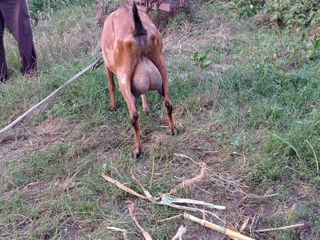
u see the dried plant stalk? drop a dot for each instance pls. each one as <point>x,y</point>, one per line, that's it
<point>124,231</point>
<point>182,230</point>
<point>244,225</point>
<point>191,181</point>
<point>120,185</point>
<point>168,200</point>
<point>145,191</point>
<point>225,231</point>
<point>280,228</point>
<point>146,235</point>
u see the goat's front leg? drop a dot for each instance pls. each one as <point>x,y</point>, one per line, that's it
<point>125,88</point>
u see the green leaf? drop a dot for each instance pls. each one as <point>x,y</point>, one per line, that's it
<point>289,145</point>
<point>206,63</point>
<point>316,44</point>
<point>196,56</point>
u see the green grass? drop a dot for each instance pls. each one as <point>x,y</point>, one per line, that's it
<point>244,101</point>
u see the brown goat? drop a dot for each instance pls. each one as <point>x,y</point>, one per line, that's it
<point>132,50</point>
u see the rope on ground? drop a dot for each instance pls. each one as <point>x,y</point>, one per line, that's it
<point>94,65</point>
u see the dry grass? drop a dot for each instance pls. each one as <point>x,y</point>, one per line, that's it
<point>57,43</point>
<point>24,141</point>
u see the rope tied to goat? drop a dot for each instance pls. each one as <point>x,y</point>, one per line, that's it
<point>92,66</point>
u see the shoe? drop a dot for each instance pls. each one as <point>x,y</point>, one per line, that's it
<point>30,74</point>
<point>3,79</point>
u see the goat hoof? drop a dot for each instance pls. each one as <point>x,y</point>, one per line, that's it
<point>113,108</point>
<point>174,132</point>
<point>146,111</point>
<point>137,153</point>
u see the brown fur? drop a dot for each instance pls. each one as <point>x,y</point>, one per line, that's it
<point>137,60</point>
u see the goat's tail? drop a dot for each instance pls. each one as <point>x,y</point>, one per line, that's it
<point>139,30</point>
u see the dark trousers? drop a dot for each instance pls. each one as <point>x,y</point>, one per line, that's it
<point>14,13</point>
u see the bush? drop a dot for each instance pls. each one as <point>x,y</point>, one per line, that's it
<point>248,8</point>
<point>285,13</point>
<point>298,13</point>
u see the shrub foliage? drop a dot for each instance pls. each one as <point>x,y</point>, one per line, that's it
<point>285,13</point>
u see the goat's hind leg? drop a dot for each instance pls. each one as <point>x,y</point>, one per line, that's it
<point>145,105</point>
<point>125,88</point>
<point>159,62</point>
<point>111,88</point>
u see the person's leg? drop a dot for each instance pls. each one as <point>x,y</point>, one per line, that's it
<point>26,44</point>
<point>3,66</point>
<point>16,16</point>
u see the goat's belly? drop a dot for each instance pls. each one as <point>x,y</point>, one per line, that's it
<point>146,77</point>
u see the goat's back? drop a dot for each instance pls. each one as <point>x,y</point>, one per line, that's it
<point>117,37</point>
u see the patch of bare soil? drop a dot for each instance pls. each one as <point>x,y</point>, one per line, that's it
<point>22,141</point>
